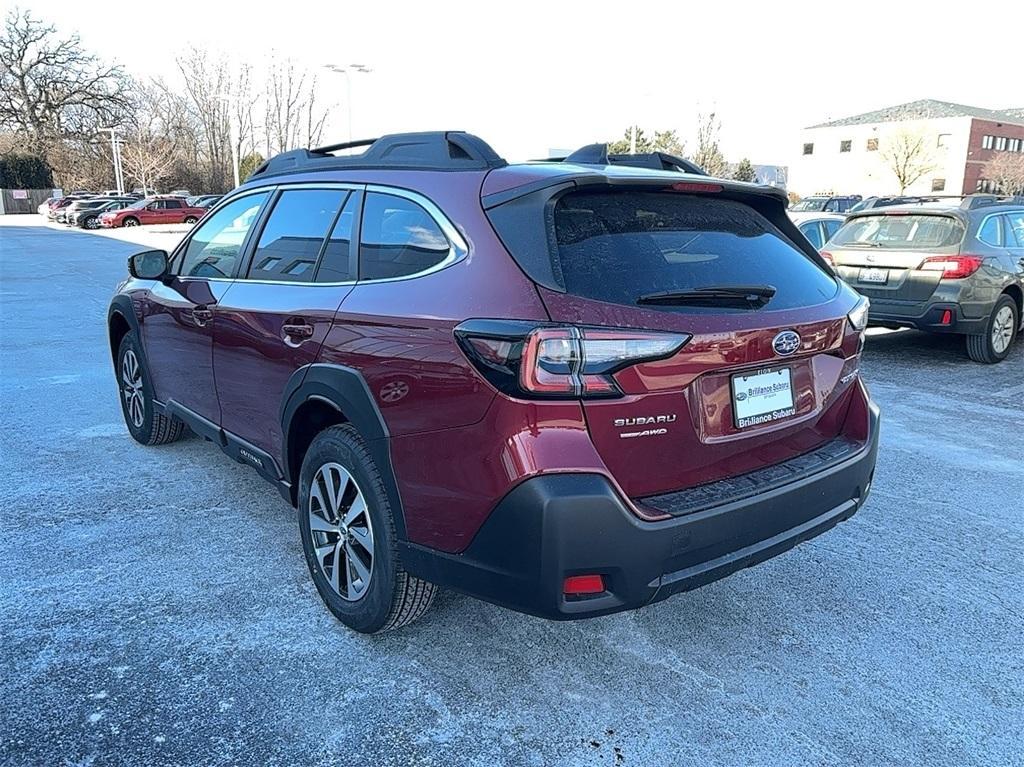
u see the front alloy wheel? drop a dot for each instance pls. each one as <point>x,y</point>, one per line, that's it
<point>131,389</point>
<point>341,530</point>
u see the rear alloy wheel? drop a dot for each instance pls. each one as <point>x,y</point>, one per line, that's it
<point>146,426</point>
<point>349,539</point>
<point>131,221</point>
<point>994,344</point>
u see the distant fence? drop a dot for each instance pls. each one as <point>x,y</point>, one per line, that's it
<point>23,200</point>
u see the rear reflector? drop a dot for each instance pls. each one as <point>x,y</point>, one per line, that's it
<point>947,318</point>
<point>583,584</point>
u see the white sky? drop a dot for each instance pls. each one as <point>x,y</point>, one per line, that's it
<point>528,76</point>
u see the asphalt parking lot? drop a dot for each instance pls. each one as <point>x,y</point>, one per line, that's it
<point>155,607</point>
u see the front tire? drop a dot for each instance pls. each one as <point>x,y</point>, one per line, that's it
<point>91,223</point>
<point>130,221</point>
<point>348,537</point>
<point>146,426</point>
<point>995,343</point>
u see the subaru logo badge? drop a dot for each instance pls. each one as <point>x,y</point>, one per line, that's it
<point>786,342</point>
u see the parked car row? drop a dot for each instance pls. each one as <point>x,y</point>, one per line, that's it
<point>941,264</point>
<point>89,210</point>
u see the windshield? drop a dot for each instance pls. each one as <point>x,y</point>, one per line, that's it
<point>619,246</point>
<point>900,232</point>
<point>810,204</point>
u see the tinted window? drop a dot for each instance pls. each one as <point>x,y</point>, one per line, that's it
<point>335,264</point>
<point>831,227</point>
<point>398,238</point>
<point>812,233</point>
<point>291,240</point>
<point>989,232</point>
<point>900,232</point>
<point>213,249</point>
<point>1015,226</point>
<point>172,204</point>
<point>618,246</point>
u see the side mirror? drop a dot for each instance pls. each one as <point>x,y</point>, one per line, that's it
<point>149,265</point>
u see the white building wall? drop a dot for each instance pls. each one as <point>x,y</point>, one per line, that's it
<point>860,171</point>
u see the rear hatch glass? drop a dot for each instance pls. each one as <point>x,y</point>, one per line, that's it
<point>620,246</point>
<point>880,255</point>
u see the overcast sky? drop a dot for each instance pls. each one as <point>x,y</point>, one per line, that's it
<point>528,76</point>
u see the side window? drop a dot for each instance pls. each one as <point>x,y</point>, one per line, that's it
<point>291,240</point>
<point>335,264</point>
<point>1015,226</point>
<point>812,233</point>
<point>214,247</point>
<point>398,238</point>
<point>990,233</point>
<point>172,204</point>
<point>831,227</point>
<point>831,205</point>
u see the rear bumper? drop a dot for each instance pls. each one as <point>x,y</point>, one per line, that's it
<point>927,317</point>
<point>554,526</point>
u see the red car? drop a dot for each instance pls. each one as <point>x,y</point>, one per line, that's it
<point>153,210</point>
<point>570,388</point>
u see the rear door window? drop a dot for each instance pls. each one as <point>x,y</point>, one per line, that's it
<point>899,232</point>
<point>1015,226</point>
<point>812,233</point>
<point>398,238</point>
<point>990,232</point>
<point>291,240</point>
<point>619,246</point>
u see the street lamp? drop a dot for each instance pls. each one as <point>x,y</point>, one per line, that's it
<point>347,71</point>
<point>115,145</point>
<point>226,98</point>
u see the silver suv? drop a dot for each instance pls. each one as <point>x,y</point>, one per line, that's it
<point>942,269</point>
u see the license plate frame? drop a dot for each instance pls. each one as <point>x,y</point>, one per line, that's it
<point>873,275</point>
<point>743,395</point>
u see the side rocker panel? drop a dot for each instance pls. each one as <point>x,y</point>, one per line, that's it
<point>345,389</point>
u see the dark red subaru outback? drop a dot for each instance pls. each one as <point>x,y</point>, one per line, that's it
<point>570,388</point>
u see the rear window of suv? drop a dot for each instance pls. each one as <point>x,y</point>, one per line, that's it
<point>618,246</point>
<point>897,232</point>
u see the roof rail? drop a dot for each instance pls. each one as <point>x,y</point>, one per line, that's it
<point>437,150</point>
<point>597,154</point>
<point>972,201</point>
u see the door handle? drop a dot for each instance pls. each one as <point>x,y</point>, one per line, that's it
<point>202,315</point>
<point>297,330</point>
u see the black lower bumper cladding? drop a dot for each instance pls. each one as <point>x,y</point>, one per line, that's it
<point>554,526</point>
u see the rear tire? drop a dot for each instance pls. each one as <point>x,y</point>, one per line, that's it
<point>190,219</point>
<point>1000,332</point>
<point>146,426</point>
<point>348,537</point>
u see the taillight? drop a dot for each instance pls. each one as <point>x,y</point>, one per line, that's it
<point>524,359</point>
<point>696,186</point>
<point>828,257</point>
<point>953,267</point>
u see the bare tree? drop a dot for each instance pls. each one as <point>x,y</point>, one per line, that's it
<point>1006,171</point>
<point>51,88</point>
<point>908,155</point>
<point>207,98</point>
<point>292,116</point>
<point>708,156</point>
<point>148,150</point>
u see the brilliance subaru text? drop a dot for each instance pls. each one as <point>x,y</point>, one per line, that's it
<point>570,388</point>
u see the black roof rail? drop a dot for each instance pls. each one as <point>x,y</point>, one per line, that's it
<point>981,200</point>
<point>436,150</point>
<point>597,154</point>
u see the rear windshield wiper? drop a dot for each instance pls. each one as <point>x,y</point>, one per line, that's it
<point>752,296</point>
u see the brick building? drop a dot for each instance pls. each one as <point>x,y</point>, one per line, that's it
<point>845,156</point>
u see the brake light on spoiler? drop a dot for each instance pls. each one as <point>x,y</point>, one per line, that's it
<point>547,361</point>
<point>952,267</point>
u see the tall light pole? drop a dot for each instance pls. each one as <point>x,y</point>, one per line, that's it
<point>115,146</point>
<point>226,98</point>
<point>348,71</point>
